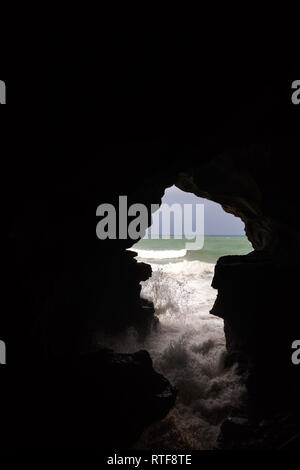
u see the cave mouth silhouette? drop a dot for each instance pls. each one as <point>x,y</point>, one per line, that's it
<point>187,343</point>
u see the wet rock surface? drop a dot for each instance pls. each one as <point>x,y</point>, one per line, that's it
<point>279,432</point>
<point>260,324</point>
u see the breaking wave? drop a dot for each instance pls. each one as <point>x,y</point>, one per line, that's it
<point>188,347</point>
<point>160,254</point>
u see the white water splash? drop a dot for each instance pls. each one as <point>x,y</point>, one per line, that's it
<point>158,254</point>
<point>188,347</point>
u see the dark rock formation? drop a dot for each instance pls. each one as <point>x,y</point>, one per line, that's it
<point>102,400</point>
<point>257,297</point>
<point>245,182</point>
<point>258,333</point>
<point>280,432</point>
<point>63,285</point>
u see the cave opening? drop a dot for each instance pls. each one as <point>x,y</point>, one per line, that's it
<point>187,343</point>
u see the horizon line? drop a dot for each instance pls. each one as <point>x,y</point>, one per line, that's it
<point>205,235</point>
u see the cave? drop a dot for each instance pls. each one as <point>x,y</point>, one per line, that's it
<point>60,343</point>
<point>185,341</point>
<point>64,287</point>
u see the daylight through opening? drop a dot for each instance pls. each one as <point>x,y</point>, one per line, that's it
<point>187,344</point>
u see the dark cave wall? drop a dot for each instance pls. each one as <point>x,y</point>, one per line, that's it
<point>64,284</point>
<point>255,298</point>
<point>70,284</point>
<point>133,117</point>
<point>247,182</point>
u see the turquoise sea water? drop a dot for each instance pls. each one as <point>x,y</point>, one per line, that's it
<point>187,344</point>
<point>173,250</point>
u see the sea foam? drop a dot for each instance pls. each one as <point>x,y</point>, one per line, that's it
<point>159,254</point>
<point>188,347</point>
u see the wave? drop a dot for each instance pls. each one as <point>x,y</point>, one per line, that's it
<point>160,254</point>
<point>187,269</point>
<point>188,347</point>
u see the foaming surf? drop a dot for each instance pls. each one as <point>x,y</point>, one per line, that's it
<point>161,254</point>
<point>188,347</point>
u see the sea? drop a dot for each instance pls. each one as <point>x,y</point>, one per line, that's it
<point>188,344</point>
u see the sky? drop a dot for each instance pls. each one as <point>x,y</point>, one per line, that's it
<point>216,220</point>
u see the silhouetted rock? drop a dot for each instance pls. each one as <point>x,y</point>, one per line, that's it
<point>279,432</point>
<point>64,285</point>
<point>101,400</point>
